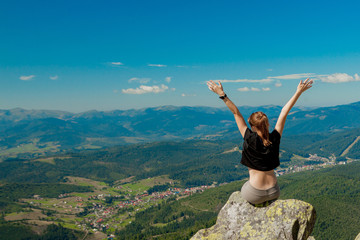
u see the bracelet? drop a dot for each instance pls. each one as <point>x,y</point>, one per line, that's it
<point>223,97</point>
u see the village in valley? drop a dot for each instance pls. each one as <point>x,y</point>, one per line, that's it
<point>105,209</point>
<point>318,162</point>
<point>111,207</point>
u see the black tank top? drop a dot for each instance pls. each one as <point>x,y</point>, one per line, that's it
<point>257,156</point>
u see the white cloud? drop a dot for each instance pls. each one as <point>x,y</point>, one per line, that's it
<point>156,65</point>
<point>243,89</point>
<point>278,84</point>
<point>357,77</point>
<point>115,91</point>
<point>338,78</point>
<point>140,80</point>
<point>168,79</point>
<point>269,69</point>
<point>54,77</point>
<point>266,80</point>
<point>146,89</point>
<point>26,78</point>
<point>253,89</point>
<point>188,95</point>
<point>117,63</point>
<point>293,76</point>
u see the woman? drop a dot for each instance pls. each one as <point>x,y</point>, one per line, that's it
<point>261,148</point>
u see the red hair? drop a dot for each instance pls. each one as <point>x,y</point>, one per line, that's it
<point>260,122</point>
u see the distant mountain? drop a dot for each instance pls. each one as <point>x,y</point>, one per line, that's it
<point>325,119</point>
<point>189,162</point>
<point>46,130</point>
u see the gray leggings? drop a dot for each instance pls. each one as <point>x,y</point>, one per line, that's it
<point>256,196</point>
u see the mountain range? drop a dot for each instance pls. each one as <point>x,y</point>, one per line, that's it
<point>54,131</point>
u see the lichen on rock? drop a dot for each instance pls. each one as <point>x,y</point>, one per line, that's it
<point>282,219</point>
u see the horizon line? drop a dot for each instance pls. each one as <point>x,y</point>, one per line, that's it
<point>162,106</point>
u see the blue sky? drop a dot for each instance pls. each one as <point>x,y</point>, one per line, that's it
<point>104,55</point>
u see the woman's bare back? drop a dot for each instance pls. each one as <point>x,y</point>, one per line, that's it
<point>262,180</point>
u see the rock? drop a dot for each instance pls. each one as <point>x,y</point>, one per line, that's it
<point>282,219</point>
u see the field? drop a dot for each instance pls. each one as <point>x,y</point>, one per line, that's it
<point>104,208</point>
<point>145,184</point>
<point>34,148</point>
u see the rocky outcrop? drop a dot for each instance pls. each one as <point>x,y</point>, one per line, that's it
<point>282,219</point>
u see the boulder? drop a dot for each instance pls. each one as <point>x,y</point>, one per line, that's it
<point>282,219</point>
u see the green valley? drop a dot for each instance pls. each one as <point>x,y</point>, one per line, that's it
<point>170,190</point>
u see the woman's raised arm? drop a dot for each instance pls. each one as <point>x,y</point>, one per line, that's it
<point>240,121</point>
<point>302,87</point>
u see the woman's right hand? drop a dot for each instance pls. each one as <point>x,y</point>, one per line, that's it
<point>303,86</point>
<point>218,89</point>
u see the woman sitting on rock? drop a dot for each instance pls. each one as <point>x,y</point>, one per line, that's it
<point>261,148</point>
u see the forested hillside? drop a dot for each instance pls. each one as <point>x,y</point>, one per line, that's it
<point>323,144</point>
<point>334,192</point>
<point>190,163</point>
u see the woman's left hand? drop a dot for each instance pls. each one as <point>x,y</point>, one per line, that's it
<point>303,86</point>
<point>218,89</point>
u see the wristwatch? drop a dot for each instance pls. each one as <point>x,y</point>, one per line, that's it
<point>223,97</point>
